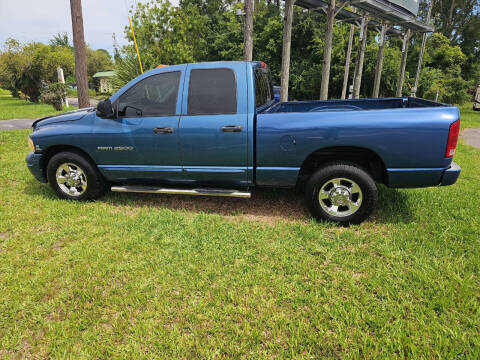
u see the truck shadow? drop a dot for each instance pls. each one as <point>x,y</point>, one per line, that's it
<point>268,205</point>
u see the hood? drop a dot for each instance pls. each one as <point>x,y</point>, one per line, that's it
<point>68,116</point>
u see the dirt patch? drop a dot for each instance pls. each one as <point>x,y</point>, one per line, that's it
<point>265,205</point>
<point>4,235</point>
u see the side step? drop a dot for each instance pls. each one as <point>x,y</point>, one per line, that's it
<point>158,190</point>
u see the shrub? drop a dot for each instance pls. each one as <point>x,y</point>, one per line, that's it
<point>55,94</point>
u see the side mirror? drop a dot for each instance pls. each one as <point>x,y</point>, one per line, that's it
<point>105,109</point>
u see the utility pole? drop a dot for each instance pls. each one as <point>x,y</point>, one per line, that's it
<point>379,68</point>
<point>362,42</point>
<point>287,41</point>
<point>403,62</point>
<point>80,56</point>
<point>327,50</point>
<point>248,31</point>
<point>422,51</point>
<point>347,62</point>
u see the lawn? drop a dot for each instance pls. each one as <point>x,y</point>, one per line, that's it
<point>140,276</point>
<point>13,108</point>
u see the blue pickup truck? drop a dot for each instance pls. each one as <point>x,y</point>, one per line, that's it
<point>215,129</point>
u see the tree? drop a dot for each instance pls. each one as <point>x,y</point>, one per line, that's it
<point>451,17</point>
<point>210,30</point>
<point>97,60</point>
<point>442,72</point>
<point>27,68</point>
<point>169,35</point>
<point>60,39</point>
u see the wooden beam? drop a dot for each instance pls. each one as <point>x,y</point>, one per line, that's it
<point>362,42</point>
<point>347,62</point>
<point>80,56</point>
<point>287,37</point>
<point>327,50</point>
<point>379,67</point>
<point>403,63</point>
<point>422,51</point>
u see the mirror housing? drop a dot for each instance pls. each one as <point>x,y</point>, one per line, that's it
<point>105,109</point>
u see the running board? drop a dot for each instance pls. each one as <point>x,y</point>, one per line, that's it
<point>204,192</point>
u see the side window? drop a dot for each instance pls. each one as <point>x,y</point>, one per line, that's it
<point>263,87</point>
<point>212,91</point>
<point>259,90</point>
<point>155,95</point>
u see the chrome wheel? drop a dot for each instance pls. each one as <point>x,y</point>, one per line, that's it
<point>340,197</point>
<point>71,179</point>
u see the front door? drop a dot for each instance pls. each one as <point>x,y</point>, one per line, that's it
<point>142,141</point>
<point>213,126</point>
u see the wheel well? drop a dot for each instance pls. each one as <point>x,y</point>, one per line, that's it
<point>365,158</point>
<point>55,149</point>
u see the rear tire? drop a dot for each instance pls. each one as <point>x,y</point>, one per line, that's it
<point>73,177</point>
<point>341,192</point>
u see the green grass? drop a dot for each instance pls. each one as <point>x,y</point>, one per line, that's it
<point>469,118</point>
<point>132,276</point>
<point>13,108</point>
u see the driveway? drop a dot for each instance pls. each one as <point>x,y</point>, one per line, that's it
<point>74,102</point>
<point>472,137</point>
<point>15,124</point>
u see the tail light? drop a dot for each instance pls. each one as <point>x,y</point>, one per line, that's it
<point>452,139</point>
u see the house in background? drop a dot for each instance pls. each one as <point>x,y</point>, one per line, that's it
<point>476,103</point>
<point>105,80</point>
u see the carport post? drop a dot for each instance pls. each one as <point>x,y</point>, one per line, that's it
<point>362,42</point>
<point>379,67</point>
<point>347,62</point>
<point>327,50</point>
<point>403,63</point>
<point>287,37</point>
<point>422,51</point>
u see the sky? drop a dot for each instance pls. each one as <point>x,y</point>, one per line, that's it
<point>39,20</point>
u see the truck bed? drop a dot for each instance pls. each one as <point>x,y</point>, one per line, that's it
<point>409,135</point>
<point>351,105</point>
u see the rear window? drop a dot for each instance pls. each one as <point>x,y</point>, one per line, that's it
<point>212,91</point>
<point>263,87</point>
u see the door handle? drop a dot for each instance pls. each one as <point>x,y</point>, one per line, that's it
<point>232,128</point>
<point>163,130</point>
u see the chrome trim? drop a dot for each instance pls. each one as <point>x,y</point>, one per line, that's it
<point>71,179</point>
<point>196,192</point>
<point>340,197</point>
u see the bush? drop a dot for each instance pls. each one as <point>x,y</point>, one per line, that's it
<point>54,94</point>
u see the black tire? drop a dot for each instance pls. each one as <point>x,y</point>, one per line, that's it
<point>354,211</point>
<point>90,177</point>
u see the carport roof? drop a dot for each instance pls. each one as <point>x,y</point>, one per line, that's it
<point>379,8</point>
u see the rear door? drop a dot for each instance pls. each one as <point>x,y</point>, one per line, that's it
<point>213,125</point>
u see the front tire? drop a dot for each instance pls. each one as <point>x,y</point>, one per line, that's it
<point>73,177</point>
<point>341,192</point>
